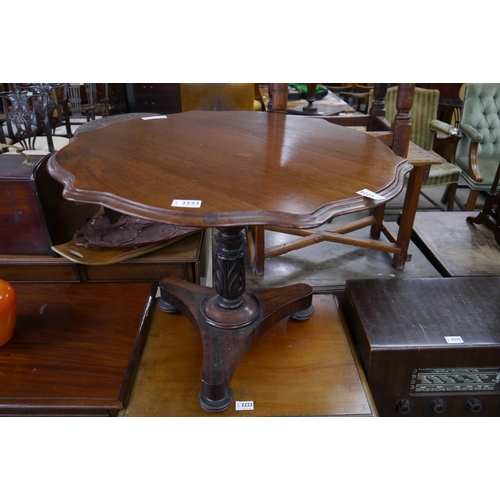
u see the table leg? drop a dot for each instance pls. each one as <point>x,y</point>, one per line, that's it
<point>230,320</point>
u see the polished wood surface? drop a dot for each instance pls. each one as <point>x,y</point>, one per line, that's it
<point>246,168</point>
<point>75,348</point>
<point>22,226</point>
<point>294,369</point>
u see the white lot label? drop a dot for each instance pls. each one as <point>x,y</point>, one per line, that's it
<point>159,117</point>
<point>370,194</point>
<point>454,340</point>
<point>244,405</point>
<point>187,203</point>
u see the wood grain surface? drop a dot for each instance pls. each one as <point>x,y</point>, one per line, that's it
<point>75,348</point>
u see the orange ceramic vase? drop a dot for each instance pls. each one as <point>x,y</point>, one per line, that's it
<point>8,311</point>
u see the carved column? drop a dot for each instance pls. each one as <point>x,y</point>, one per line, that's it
<point>231,307</point>
<point>230,271</point>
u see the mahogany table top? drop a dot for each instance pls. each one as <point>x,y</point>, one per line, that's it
<point>245,167</point>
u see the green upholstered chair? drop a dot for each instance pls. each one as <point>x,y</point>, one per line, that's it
<point>425,128</point>
<point>478,152</point>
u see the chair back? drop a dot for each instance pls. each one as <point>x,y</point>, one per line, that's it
<point>217,96</point>
<point>21,121</point>
<point>481,110</point>
<point>46,103</point>
<point>423,111</point>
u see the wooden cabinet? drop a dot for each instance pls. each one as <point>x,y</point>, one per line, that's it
<point>33,214</point>
<point>157,97</point>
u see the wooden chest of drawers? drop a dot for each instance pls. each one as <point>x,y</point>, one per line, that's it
<point>161,98</point>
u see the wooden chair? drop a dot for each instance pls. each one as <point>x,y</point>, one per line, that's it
<point>397,137</point>
<point>425,132</point>
<point>51,107</point>
<point>61,122</point>
<point>359,95</point>
<point>95,106</point>
<point>27,117</point>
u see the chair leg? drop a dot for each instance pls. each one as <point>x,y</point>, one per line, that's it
<point>449,196</point>
<point>256,248</point>
<point>471,201</point>
<point>446,195</point>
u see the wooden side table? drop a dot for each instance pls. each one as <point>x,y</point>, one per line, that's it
<point>229,170</point>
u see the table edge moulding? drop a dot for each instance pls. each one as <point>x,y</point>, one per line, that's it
<point>246,168</point>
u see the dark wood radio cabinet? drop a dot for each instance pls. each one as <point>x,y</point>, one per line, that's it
<point>161,98</point>
<point>429,346</point>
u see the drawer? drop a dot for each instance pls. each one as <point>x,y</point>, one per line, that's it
<point>34,268</point>
<point>131,272</point>
<point>183,259</point>
<point>158,103</point>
